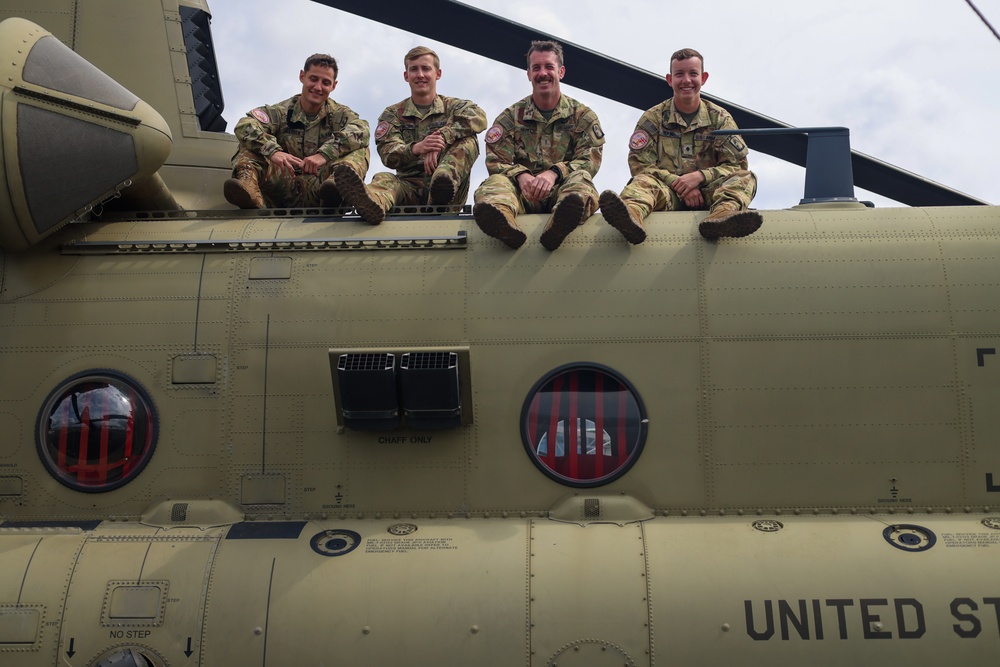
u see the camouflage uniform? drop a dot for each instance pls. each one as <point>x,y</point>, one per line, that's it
<point>664,147</point>
<point>402,125</point>
<point>521,140</point>
<point>336,132</point>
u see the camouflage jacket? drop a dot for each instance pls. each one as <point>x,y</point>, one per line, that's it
<point>401,125</point>
<point>521,140</point>
<point>335,131</point>
<point>664,146</point>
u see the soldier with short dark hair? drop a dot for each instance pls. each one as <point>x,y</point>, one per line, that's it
<point>289,151</point>
<point>429,139</point>
<point>542,154</point>
<point>677,163</point>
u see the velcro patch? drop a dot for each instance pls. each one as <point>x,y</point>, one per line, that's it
<point>494,134</point>
<point>639,140</point>
<point>260,115</point>
<point>381,129</point>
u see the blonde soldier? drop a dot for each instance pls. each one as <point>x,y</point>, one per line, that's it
<point>288,151</point>
<point>429,139</point>
<point>542,154</point>
<point>677,164</point>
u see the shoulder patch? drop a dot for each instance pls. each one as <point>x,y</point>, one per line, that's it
<point>736,142</point>
<point>381,129</point>
<point>260,115</point>
<point>597,131</point>
<point>639,140</point>
<point>494,134</point>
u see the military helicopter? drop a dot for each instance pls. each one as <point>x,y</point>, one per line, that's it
<point>287,437</point>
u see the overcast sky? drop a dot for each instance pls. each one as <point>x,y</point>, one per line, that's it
<point>916,81</point>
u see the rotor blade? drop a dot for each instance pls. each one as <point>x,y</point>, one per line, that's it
<point>505,41</point>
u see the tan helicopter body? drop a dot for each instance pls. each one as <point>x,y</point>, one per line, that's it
<point>287,437</point>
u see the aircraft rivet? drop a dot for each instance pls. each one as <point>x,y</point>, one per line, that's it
<point>474,629</point>
<point>968,509</point>
<point>366,630</point>
<point>725,627</point>
<point>258,631</point>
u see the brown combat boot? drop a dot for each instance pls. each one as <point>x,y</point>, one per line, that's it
<point>355,192</point>
<point>618,215</point>
<point>442,189</point>
<point>728,220</point>
<point>498,223</point>
<point>243,191</point>
<point>329,195</point>
<point>566,216</point>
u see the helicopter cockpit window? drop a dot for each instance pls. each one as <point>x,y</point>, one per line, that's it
<point>96,431</point>
<point>583,425</point>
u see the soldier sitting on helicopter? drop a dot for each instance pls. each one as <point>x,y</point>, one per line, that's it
<point>677,164</point>
<point>289,150</point>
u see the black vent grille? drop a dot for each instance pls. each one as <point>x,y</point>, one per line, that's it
<point>179,512</point>
<point>422,361</point>
<point>366,361</point>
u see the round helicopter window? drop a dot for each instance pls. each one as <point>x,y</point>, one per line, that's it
<point>583,425</point>
<point>96,431</point>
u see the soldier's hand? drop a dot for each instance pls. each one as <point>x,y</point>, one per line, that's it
<point>536,188</point>
<point>431,161</point>
<point>285,163</point>
<point>312,164</point>
<point>432,143</point>
<point>687,188</point>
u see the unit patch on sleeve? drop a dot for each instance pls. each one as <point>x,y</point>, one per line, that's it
<point>494,134</point>
<point>639,140</point>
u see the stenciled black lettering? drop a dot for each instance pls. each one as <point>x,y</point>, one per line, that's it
<point>841,616</point>
<point>918,609</point>
<point>868,618</point>
<point>818,620</point>
<point>801,622</point>
<point>768,619</point>
<point>996,609</point>
<point>976,628</point>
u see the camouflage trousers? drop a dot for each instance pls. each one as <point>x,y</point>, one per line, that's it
<point>281,191</point>
<point>647,193</point>
<point>456,161</point>
<point>502,191</point>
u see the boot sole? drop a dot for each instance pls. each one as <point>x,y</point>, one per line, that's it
<point>616,214</point>
<point>566,217</point>
<point>735,226</point>
<point>494,223</point>
<point>442,191</point>
<point>353,190</point>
